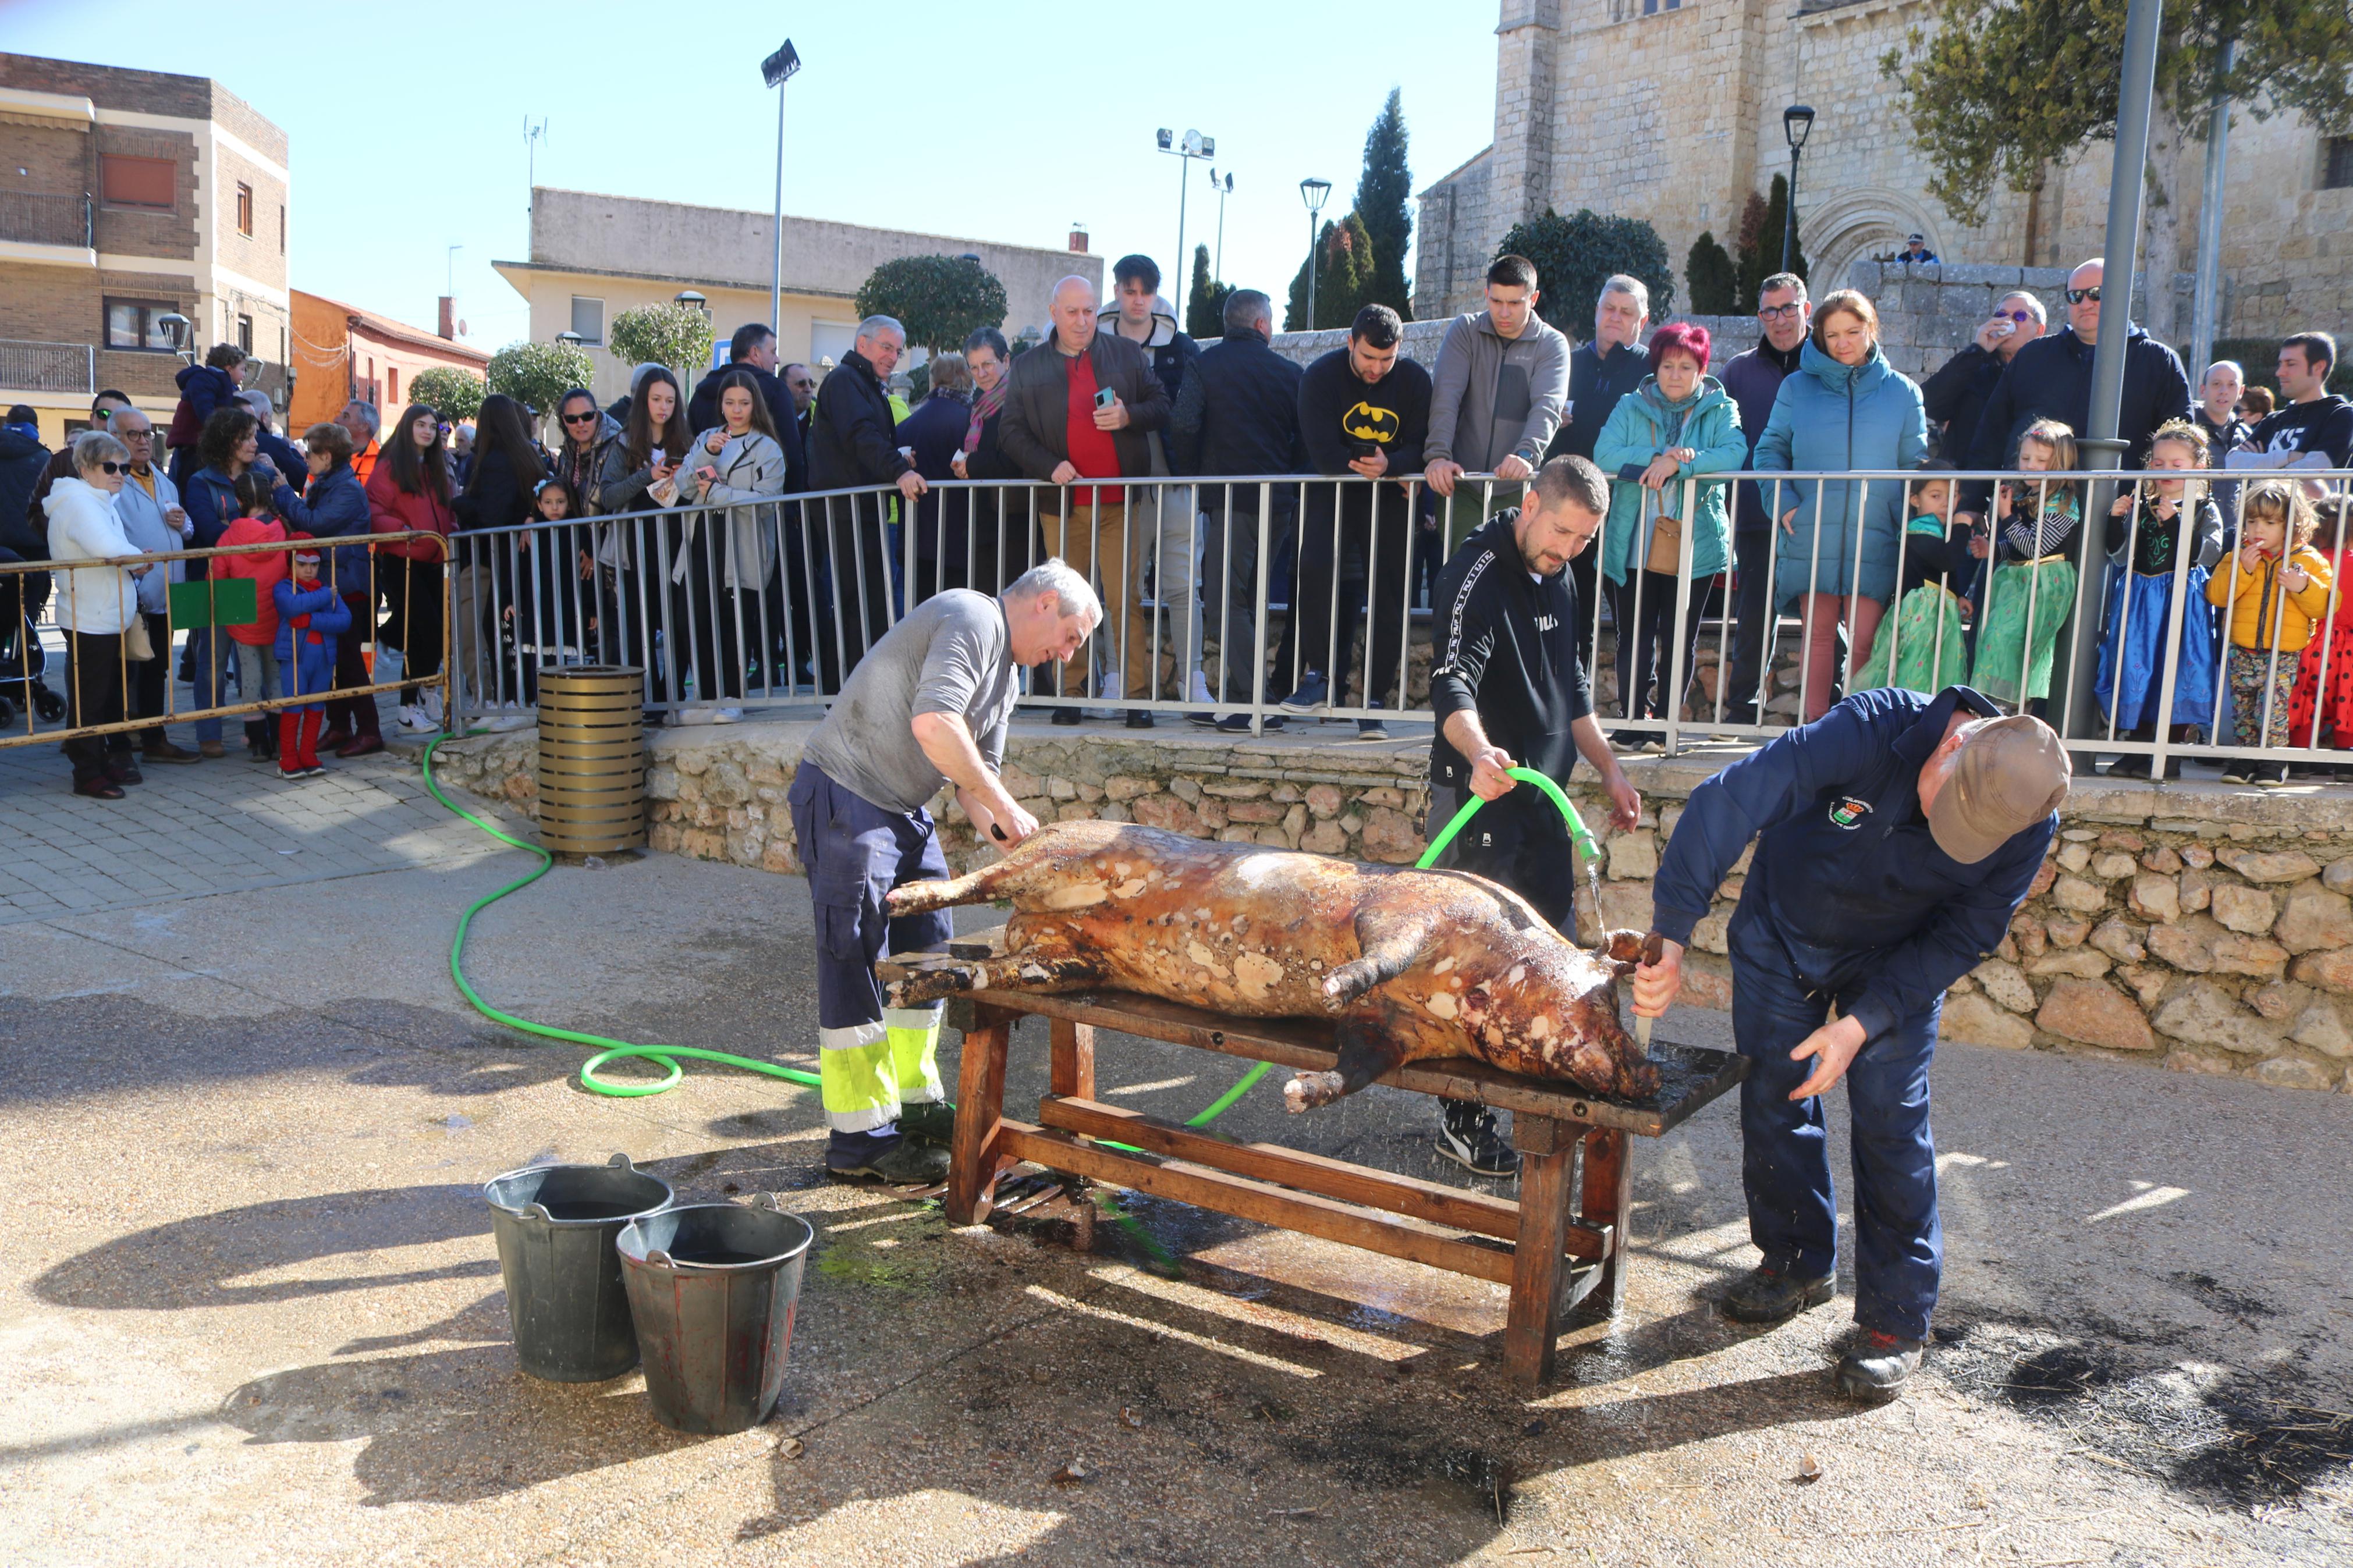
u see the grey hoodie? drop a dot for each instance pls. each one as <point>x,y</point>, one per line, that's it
<point>1490,397</point>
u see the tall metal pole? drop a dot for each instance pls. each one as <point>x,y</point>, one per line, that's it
<point>1183,187</point>
<point>1221,224</point>
<point>2207,306</point>
<point>2137,87</point>
<point>1311,271</point>
<point>776,277</point>
<point>1789,214</point>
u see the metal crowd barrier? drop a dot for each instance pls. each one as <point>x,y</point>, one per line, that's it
<point>26,615</point>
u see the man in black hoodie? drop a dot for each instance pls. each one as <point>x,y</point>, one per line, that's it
<point>1238,413</point>
<point>1363,410</point>
<point>1509,688</point>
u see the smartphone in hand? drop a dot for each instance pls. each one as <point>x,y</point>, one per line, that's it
<point>1105,397</point>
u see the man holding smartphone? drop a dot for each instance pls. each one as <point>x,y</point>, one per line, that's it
<point>1957,392</point>
<point>1364,413</point>
<point>1082,405</point>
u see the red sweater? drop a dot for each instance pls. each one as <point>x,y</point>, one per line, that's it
<point>1092,452</point>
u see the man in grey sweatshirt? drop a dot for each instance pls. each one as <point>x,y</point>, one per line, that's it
<point>1497,394</point>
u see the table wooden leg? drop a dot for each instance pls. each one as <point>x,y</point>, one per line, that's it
<point>1545,1148</point>
<point>1073,1063</point>
<point>1609,1199</point>
<point>980,1107</point>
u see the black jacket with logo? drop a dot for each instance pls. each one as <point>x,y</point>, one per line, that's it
<point>2324,424</point>
<point>1340,415</point>
<point>1507,650</point>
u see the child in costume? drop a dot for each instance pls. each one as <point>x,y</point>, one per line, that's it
<point>2164,536</point>
<point>311,620</point>
<point>2271,594</point>
<point>2032,589</point>
<point>1926,644</point>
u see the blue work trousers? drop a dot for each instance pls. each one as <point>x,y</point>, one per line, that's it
<point>1782,992</point>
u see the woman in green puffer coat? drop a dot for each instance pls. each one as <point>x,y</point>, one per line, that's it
<point>1678,423</point>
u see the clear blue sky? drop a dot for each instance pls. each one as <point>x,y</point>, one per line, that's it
<point>1003,120</point>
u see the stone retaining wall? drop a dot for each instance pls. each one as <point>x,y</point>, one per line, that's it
<point>2199,928</point>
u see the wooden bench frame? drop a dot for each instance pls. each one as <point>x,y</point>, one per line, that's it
<point>1554,1247</point>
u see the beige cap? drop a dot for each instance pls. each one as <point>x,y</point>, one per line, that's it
<point>2011,774</point>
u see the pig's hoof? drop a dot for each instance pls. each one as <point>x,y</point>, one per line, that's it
<point>1310,1089</point>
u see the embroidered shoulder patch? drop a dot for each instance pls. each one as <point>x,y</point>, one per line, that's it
<point>1849,812</point>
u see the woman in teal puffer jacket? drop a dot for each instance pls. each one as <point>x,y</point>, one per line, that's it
<point>1846,407</point>
<point>1679,423</point>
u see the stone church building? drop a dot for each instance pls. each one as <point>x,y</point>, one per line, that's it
<point>1671,110</point>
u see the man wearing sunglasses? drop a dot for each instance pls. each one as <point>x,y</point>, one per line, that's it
<point>1956,395</point>
<point>2050,378</point>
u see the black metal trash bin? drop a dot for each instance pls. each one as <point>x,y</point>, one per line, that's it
<point>712,1289</point>
<point>555,1227</point>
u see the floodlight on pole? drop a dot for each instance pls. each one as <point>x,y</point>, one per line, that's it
<point>1313,193</point>
<point>1224,185</point>
<point>1796,123</point>
<point>776,70</point>
<point>1185,149</point>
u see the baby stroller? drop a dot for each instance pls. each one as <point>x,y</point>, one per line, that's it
<point>22,657</point>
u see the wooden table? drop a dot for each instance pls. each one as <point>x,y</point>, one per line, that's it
<point>1554,1247</point>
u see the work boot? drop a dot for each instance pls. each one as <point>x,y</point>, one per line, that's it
<point>1467,1135</point>
<point>929,1122</point>
<point>1875,1366</point>
<point>901,1163</point>
<point>1768,1296</point>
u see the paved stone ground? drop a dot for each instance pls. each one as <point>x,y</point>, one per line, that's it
<point>252,1310</point>
<point>211,827</point>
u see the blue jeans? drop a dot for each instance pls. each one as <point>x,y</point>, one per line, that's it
<point>1781,993</point>
<point>210,650</point>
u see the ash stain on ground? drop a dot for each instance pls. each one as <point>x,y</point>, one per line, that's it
<point>2232,1436</point>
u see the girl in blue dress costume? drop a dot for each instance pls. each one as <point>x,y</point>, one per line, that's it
<point>2162,543</point>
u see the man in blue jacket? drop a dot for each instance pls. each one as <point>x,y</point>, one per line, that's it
<point>1895,837</point>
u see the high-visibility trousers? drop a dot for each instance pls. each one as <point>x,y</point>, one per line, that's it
<point>872,1058</point>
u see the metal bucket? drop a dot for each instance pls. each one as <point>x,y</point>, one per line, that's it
<point>592,759</point>
<point>555,1227</point>
<point>714,1287</point>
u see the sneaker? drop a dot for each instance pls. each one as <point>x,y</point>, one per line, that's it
<point>1875,1367</point>
<point>1205,717</point>
<point>2133,766</point>
<point>2269,776</point>
<point>1468,1136</point>
<point>2235,772</point>
<point>1239,723</point>
<point>1066,716</point>
<point>429,700</point>
<point>692,716</point>
<point>1313,696</point>
<point>1372,729</point>
<point>412,720</point>
<point>900,1162</point>
<point>729,715</point>
<point>1139,717</point>
<point>1197,690</point>
<point>929,1122</point>
<point>1768,1296</point>
<point>505,720</point>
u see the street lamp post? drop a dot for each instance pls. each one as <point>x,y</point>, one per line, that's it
<point>776,70</point>
<point>1191,145</point>
<point>1797,121</point>
<point>1313,191</point>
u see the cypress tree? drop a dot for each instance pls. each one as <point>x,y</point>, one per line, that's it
<point>1382,191</point>
<point>1202,301</point>
<point>1711,276</point>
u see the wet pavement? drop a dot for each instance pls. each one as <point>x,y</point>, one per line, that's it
<point>252,1312</point>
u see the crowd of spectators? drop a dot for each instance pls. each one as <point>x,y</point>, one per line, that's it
<point>677,536</point>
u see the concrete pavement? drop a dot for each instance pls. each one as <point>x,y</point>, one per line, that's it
<point>253,1312</point>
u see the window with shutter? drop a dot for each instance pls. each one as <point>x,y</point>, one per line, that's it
<point>152,183</point>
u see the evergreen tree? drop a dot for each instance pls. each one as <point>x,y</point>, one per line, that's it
<point>1382,191</point>
<point>1575,256</point>
<point>1746,259</point>
<point>1710,276</point>
<point>1205,302</point>
<point>1341,278</point>
<point>1760,246</point>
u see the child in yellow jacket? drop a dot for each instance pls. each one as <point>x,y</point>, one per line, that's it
<point>2274,592</point>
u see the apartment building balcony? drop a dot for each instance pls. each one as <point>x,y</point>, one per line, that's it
<point>51,227</point>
